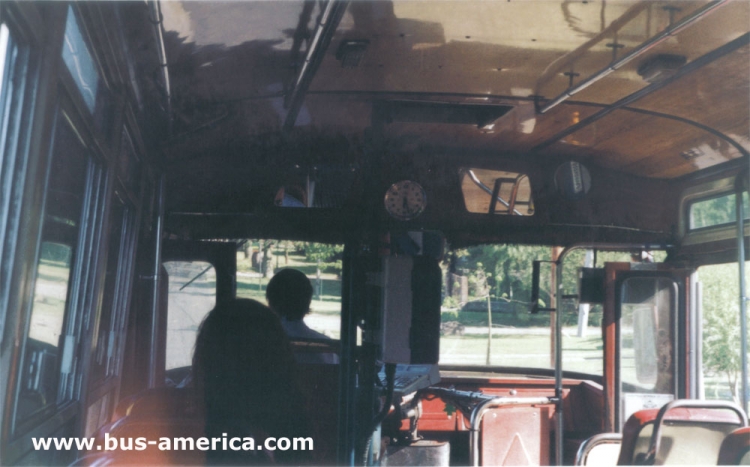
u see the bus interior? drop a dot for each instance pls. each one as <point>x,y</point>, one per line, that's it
<point>525,223</point>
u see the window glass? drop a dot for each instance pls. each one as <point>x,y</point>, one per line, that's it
<point>647,360</point>
<point>258,260</point>
<point>721,356</point>
<point>80,62</point>
<point>511,192</point>
<point>79,59</point>
<point>192,294</point>
<point>13,115</point>
<point>489,287</point>
<point>717,211</point>
<point>49,352</point>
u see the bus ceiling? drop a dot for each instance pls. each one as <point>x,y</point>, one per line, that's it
<point>644,94</point>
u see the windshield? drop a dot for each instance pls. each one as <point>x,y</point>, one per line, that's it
<point>489,287</point>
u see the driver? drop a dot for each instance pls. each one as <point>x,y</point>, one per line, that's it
<point>289,294</point>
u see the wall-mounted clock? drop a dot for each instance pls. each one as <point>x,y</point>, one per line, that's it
<point>405,200</point>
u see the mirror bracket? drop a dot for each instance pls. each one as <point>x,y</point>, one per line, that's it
<point>535,288</point>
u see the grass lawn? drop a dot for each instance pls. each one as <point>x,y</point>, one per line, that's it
<point>523,350</point>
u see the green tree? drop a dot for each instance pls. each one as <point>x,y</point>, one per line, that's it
<point>721,326</point>
<point>327,256</point>
<point>716,211</point>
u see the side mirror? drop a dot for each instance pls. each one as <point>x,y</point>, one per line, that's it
<point>591,285</point>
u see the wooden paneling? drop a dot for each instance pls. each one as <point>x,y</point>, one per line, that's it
<point>652,146</point>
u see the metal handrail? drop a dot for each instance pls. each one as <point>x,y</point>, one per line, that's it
<point>483,407</point>
<point>638,51</point>
<point>484,403</point>
<point>591,443</point>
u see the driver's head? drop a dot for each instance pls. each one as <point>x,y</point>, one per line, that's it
<point>289,294</point>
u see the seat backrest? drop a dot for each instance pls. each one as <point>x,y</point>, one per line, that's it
<point>735,449</point>
<point>690,432</point>
<point>320,384</point>
<point>602,449</point>
<point>636,437</point>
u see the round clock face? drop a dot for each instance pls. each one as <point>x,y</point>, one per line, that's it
<point>405,200</point>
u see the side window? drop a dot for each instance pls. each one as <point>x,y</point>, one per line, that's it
<point>716,211</point>
<point>192,294</point>
<point>82,65</point>
<point>50,352</point>
<point>14,118</point>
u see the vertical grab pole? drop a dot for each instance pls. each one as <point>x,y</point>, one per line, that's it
<point>740,211</point>
<point>489,329</point>
<point>155,298</point>
<point>347,376</point>
<point>558,355</point>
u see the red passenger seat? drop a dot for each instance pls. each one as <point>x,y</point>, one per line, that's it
<point>685,432</point>
<point>636,437</point>
<point>735,449</point>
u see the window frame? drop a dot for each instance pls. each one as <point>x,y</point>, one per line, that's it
<point>82,284</point>
<point>14,165</point>
<point>85,282</point>
<point>51,92</point>
<point>463,173</point>
<point>102,138</point>
<point>727,194</point>
<point>716,233</point>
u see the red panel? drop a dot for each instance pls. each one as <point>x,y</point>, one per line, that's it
<point>435,417</point>
<point>583,403</point>
<point>516,436</point>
